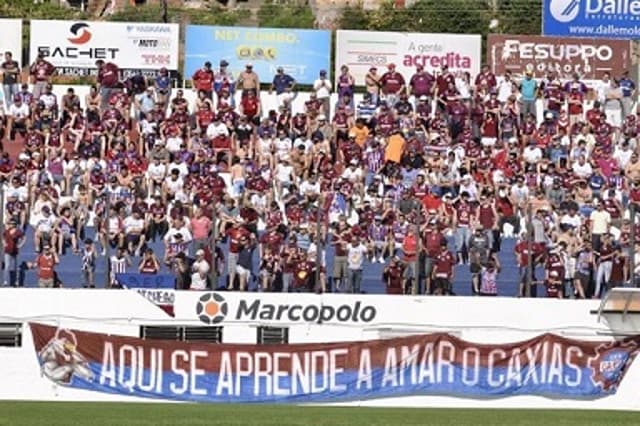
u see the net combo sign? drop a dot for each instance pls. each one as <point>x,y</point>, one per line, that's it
<point>11,38</point>
<point>432,364</point>
<point>302,53</point>
<point>590,58</point>
<point>591,18</point>
<point>74,46</point>
<point>360,50</point>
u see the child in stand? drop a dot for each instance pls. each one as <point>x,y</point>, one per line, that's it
<point>88,264</point>
<point>489,277</point>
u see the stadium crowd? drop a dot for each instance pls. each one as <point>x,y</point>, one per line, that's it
<point>422,159</point>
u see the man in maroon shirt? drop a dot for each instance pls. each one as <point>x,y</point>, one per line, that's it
<point>203,80</point>
<point>13,239</point>
<point>392,83</point>
<point>443,273</point>
<point>422,83</point>
<point>235,234</point>
<point>108,79</point>
<point>41,72</point>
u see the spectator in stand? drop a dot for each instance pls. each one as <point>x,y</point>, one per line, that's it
<point>41,72</point>
<point>249,81</point>
<point>392,84</point>
<point>284,86</point>
<point>89,256</point>
<point>372,84</point>
<point>203,80</point>
<point>149,264</point>
<point>18,117</point>
<point>107,80</point>
<point>46,263</point>
<point>13,239</point>
<point>393,276</point>
<point>322,88</point>
<point>628,87</point>
<point>200,269</point>
<point>10,77</point>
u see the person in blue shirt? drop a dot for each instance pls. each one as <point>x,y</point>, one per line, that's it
<point>628,92</point>
<point>283,84</point>
<point>529,90</point>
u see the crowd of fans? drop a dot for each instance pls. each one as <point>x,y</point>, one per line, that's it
<point>386,179</point>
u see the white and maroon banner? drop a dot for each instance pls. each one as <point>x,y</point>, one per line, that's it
<point>590,58</point>
<point>360,50</point>
<point>74,46</point>
<point>430,364</point>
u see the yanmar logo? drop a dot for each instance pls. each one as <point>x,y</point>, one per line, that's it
<point>81,33</point>
<point>212,309</point>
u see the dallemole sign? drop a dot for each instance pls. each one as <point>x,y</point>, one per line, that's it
<point>432,364</point>
<point>589,58</point>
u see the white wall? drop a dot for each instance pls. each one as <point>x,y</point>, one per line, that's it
<point>480,320</point>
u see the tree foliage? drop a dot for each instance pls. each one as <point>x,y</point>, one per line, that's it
<point>288,15</point>
<point>211,15</point>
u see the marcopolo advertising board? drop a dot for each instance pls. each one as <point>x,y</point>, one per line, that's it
<point>215,308</point>
<point>302,53</point>
<point>11,38</point>
<point>431,364</point>
<point>591,18</point>
<point>74,46</point>
<point>590,58</point>
<point>360,50</point>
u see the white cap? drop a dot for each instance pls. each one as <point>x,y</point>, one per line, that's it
<point>200,252</point>
<point>322,117</point>
<point>549,115</point>
<point>353,162</point>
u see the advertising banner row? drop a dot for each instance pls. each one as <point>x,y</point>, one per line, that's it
<point>74,46</point>
<point>429,364</point>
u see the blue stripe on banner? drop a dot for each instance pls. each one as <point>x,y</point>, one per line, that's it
<point>337,385</point>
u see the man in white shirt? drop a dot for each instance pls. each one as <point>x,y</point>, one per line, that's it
<point>602,87</point>
<point>134,229</point>
<point>217,128</point>
<point>622,154</point>
<point>356,252</point>
<point>200,269</point>
<point>582,168</point>
<point>322,87</point>
<point>156,172</point>
<point>18,116</point>
<point>600,222</point>
<point>532,153</point>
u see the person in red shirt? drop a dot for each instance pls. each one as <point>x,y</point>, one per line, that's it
<point>250,107</point>
<point>392,276</point>
<point>108,79</point>
<point>41,72</point>
<point>203,80</point>
<point>13,239</point>
<point>392,84</point>
<point>431,239</point>
<point>443,272</point>
<point>410,259</point>
<point>235,235</point>
<point>46,263</point>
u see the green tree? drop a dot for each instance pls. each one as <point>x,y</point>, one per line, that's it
<point>289,15</point>
<point>519,17</point>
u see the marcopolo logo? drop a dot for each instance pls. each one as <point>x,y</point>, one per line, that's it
<point>81,33</point>
<point>212,309</point>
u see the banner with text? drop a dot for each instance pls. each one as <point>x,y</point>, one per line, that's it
<point>591,18</point>
<point>11,38</point>
<point>158,289</point>
<point>433,364</point>
<point>590,58</point>
<point>360,50</point>
<point>302,53</point>
<point>74,46</point>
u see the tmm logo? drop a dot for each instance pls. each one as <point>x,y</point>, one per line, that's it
<point>567,10</point>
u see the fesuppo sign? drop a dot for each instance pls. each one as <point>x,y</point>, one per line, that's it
<point>590,58</point>
<point>214,308</point>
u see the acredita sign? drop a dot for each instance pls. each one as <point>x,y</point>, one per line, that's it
<point>590,58</point>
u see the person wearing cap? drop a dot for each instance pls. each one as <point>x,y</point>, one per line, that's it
<point>203,79</point>
<point>13,239</point>
<point>200,272</point>
<point>393,276</point>
<point>41,72</point>
<point>322,88</point>
<point>422,83</point>
<point>248,80</point>
<point>18,117</point>
<point>46,263</point>
<point>149,264</point>
<point>346,85</point>
<point>284,86</point>
<point>224,81</point>
<point>443,272</point>
<point>392,84</point>
<point>372,84</point>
